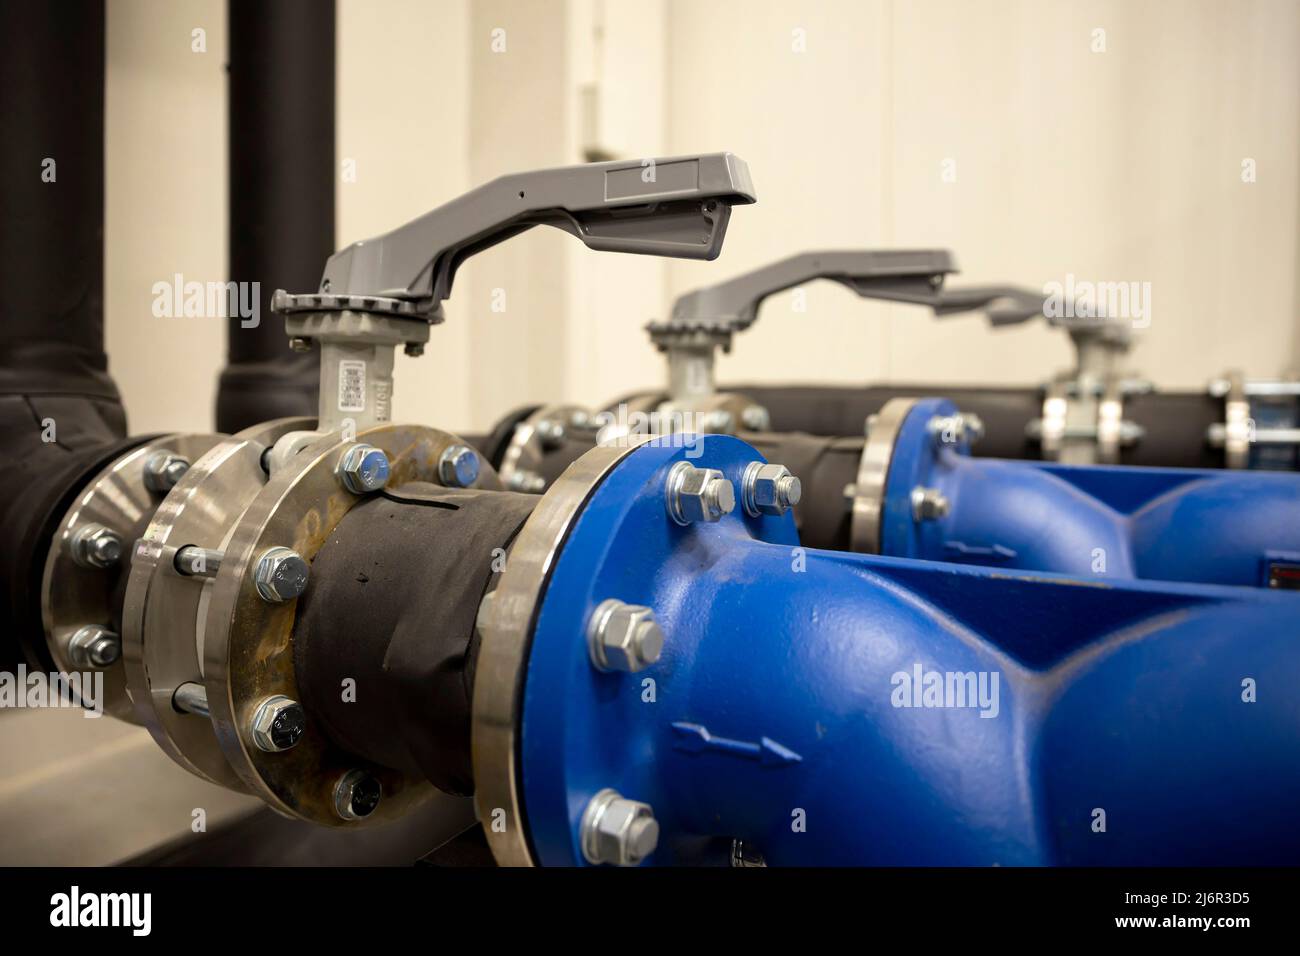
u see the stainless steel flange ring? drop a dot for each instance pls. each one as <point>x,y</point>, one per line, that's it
<point>120,501</point>
<point>164,610</point>
<point>544,429</point>
<point>248,642</point>
<point>505,625</point>
<point>873,473</point>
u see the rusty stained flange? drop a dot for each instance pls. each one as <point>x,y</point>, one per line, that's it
<point>248,643</point>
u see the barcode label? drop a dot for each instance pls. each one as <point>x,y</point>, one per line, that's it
<point>352,386</point>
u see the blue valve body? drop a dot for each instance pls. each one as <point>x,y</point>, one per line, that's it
<point>1101,523</point>
<point>841,709</point>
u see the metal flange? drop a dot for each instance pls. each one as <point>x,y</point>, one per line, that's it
<point>536,436</point>
<point>248,642</point>
<point>164,610</point>
<point>868,498</point>
<point>505,625</point>
<point>119,500</point>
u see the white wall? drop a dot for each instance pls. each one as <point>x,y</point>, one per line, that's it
<point>1122,165</point>
<point>165,205</point>
<point>403,108</point>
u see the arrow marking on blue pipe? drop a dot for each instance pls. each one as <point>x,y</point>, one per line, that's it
<point>695,739</point>
<point>982,550</point>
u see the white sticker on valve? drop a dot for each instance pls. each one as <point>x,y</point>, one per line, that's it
<point>352,386</point>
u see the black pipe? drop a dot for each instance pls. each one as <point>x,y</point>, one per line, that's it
<point>281,147</point>
<point>61,416</point>
<point>391,605</point>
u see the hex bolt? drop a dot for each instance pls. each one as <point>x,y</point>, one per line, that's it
<point>96,547</point>
<point>94,647</point>
<point>278,724</point>
<point>281,575</point>
<point>414,349</point>
<point>928,504</point>
<point>191,698</point>
<point>755,418</point>
<point>697,494</point>
<point>300,344</point>
<point>195,562</point>
<point>550,432</point>
<point>718,420</point>
<point>953,429</point>
<point>458,466</point>
<point>163,469</point>
<point>357,794</point>
<point>529,482</point>
<point>617,831</point>
<point>768,489</point>
<point>363,468</point>
<point>623,637</point>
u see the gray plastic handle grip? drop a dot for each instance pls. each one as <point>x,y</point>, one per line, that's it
<point>1008,305</point>
<point>1004,305</point>
<point>896,276</point>
<point>678,207</point>
<point>913,276</point>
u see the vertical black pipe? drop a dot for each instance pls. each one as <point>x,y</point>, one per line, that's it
<point>281,115</point>
<point>60,413</point>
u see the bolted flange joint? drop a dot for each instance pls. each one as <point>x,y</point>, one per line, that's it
<point>697,494</point>
<point>618,831</point>
<point>163,469</point>
<point>278,724</point>
<point>458,467</point>
<point>363,468</point>
<point>624,637</point>
<point>357,794</point>
<point>928,504</point>
<point>955,429</point>
<point>281,575</point>
<point>95,546</point>
<point>94,647</point>
<point>769,489</point>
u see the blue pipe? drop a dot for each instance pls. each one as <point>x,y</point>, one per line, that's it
<point>786,710</point>
<point>1170,524</point>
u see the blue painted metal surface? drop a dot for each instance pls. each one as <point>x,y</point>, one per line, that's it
<point>1170,524</point>
<point>792,706</point>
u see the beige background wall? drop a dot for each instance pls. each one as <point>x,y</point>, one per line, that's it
<point>1115,165</point>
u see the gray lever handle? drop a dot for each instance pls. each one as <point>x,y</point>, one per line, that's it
<point>896,276</point>
<point>1004,305</point>
<point>677,207</point>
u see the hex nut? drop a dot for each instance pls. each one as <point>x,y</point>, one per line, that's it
<point>278,724</point>
<point>756,418</point>
<point>618,831</point>
<point>698,494</point>
<point>363,468</point>
<point>163,469</point>
<point>550,433</point>
<point>357,795</point>
<point>281,575</point>
<point>94,647</point>
<point>719,420</point>
<point>624,637</point>
<point>769,489</point>
<point>956,429</point>
<point>458,467</point>
<point>928,504</point>
<point>97,547</point>
<point>528,482</point>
